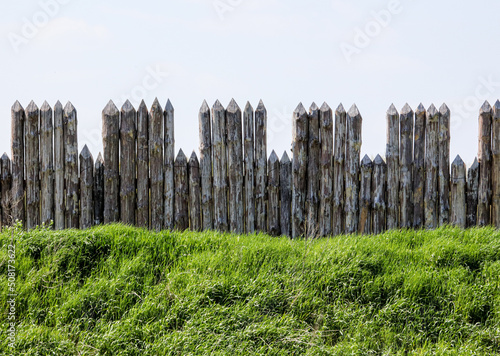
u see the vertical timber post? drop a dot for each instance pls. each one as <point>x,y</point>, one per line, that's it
<point>235,167</point>
<point>169,156</point>
<point>444,165</point>
<point>156,165</point>
<point>249,152</point>
<point>219,158</point>
<point>472,193</point>
<point>72,183</point>
<point>32,160</point>
<point>406,165</point>
<point>181,183</point>
<point>299,171</point>
<point>86,188</point>
<point>128,164</point>
<point>365,196</point>
<point>379,184</point>
<point>339,172</point>
<point>392,157</point>
<point>431,168</point>
<point>353,151</point>
<point>261,167</point>
<point>286,195</point>
<point>274,195</point>
<point>458,194</point>
<point>111,147</point>
<point>485,160</point>
<point>143,166</point>
<point>46,164</point>
<point>194,193</point>
<point>59,158</point>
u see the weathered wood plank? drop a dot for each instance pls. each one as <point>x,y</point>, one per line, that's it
<point>274,195</point>
<point>207,207</point>
<point>143,166</point>
<point>392,158</point>
<point>181,199</point>
<point>128,169</point>
<point>219,158</point>
<point>6,184</point>
<point>419,168</point>
<point>249,159</point>
<point>169,156</point>
<point>406,162</point>
<point>17,142</point>
<point>485,162</point>
<point>98,196</point>
<point>286,195</point>
<point>46,164</point>
<point>299,171</point>
<point>458,194</point>
<point>32,161</point>
<point>339,172</point>
<point>59,157</point>
<point>444,165</point>
<point>495,172</point>
<point>431,168</point>
<point>326,175</point>
<point>472,193</point>
<point>365,196</point>
<point>235,167</point>
<point>194,194</point>
<point>313,172</point>
<point>156,165</point>
<point>111,149</point>
<point>261,167</point>
<point>379,184</point>
<point>352,162</point>
<point>86,188</point>
<point>71,180</point>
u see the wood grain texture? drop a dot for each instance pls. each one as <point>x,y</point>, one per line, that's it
<point>111,149</point>
<point>444,165</point>
<point>326,174</point>
<point>485,162</point>
<point>419,168</point>
<point>392,158</point>
<point>32,161</point>
<point>143,166</point>
<point>431,168</point>
<point>71,180</point>
<point>313,172</point>
<point>274,228</point>
<point>128,169</point>
<point>352,163</point>
<point>339,172</point>
<point>286,195</point>
<point>86,188</point>
<point>379,185</point>
<point>6,184</point>
<point>59,158</point>
<point>249,160</point>
<point>46,165</point>
<point>235,168</point>
<point>365,196</point>
<point>207,206</point>
<point>458,194</point>
<point>406,167</point>
<point>299,171</point>
<point>195,223</point>
<point>261,167</point>
<point>219,158</point>
<point>99,190</point>
<point>169,156</point>
<point>495,165</point>
<point>181,199</point>
<point>472,193</point>
<point>17,143</point>
<point>156,172</point>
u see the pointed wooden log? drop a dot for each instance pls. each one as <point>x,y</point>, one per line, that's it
<point>313,173</point>
<point>181,199</point>
<point>353,151</point>
<point>472,193</point>
<point>495,172</point>
<point>128,168</point>
<point>169,156</point>
<point>143,166</point>
<point>339,172</point>
<point>249,158</point>
<point>392,157</point>
<point>59,158</point>
<point>286,195</point>
<point>194,194</point>
<point>485,161</point>
<point>379,184</point>
<point>235,167</point>
<point>444,165</point>
<point>17,142</point>
<point>431,168</point>
<point>458,194</point>
<point>111,147</point>
<point>219,158</point>
<point>207,207</point>
<point>365,196</point>
<point>86,188</point>
<point>71,180</point>
<point>98,195</point>
<point>274,195</point>
<point>46,164</point>
<point>6,184</point>
<point>326,175</point>
<point>156,165</point>
<point>299,171</point>
<point>406,162</point>
<point>419,168</point>
<point>261,167</point>
<point>32,161</point>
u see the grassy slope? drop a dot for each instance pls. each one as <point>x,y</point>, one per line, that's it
<point>124,291</point>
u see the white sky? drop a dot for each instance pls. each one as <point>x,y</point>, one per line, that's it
<point>282,52</point>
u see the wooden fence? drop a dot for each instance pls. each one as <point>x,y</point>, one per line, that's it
<point>325,188</point>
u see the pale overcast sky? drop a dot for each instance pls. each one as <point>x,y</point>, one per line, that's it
<point>372,53</point>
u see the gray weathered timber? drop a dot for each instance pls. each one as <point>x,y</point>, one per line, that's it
<point>495,171</point>
<point>405,164</point>
<point>431,168</point>
<point>235,167</point>
<point>128,164</point>
<point>419,168</point>
<point>379,183</point>
<point>472,193</point>
<point>6,184</point>
<point>17,142</point>
<point>485,161</point>
<point>249,159</point>
<point>299,171</point>
<point>313,173</point>
<point>365,196</point>
<point>99,191</point>
<point>143,166</point>
<point>156,165</point>
<point>458,194</point>
<point>32,160</point>
<point>326,175</point>
<point>219,158</point>
<point>59,157</point>
<point>392,158</point>
<point>71,181</point>
<point>274,195</point>
<point>261,167</point>
<point>286,195</point>
<point>111,149</point>
<point>207,207</point>
<point>86,188</point>
<point>353,151</point>
<point>194,193</point>
<point>46,164</point>
<point>444,165</point>
<point>169,156</point>
<point>181,199</point>
<point>339,172</point>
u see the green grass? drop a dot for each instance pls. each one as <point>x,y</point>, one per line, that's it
<point>118,290</point>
